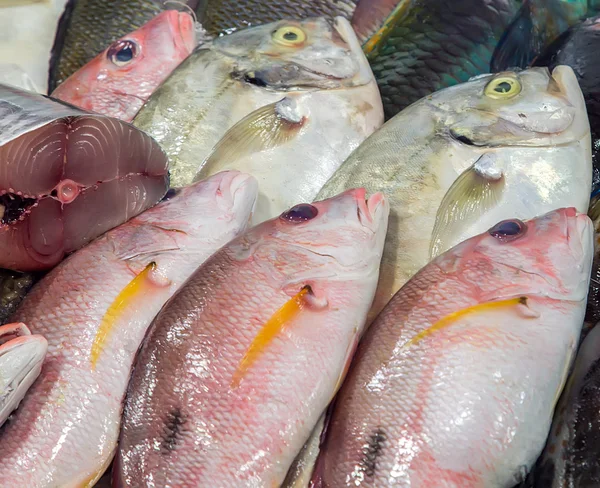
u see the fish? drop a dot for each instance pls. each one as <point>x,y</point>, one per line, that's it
<point>94,309</point>
<point>456,381</point>
<point>592,311</point>
<point>27,32</point>
<point>505,145</point>
<point>570,457</point>
<point>416,47</point>
<point>312,64</point>
<point>87,27</point>
<point>120,79</point>
<point>576,48</point>
<point>227,16</point>
<point>21,357</point>
<point>232,404</point>
<point>537,24</point>
<point>68,176</point>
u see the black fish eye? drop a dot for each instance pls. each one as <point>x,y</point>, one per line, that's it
<point>508,230</point>
<point>122,52</point>
<point>503,87</point>
<point>290,36</point>
<point>300,213</point>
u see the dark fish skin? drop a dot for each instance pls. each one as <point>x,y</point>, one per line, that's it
<point>578,48</point>
<point>223,16</point>
<point>430,44</point>
<point>13,288</point>
<point>87,27</point>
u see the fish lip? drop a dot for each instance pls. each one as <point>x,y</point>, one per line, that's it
<point>184,33</point>
<point>237,191</point>
<point>345,30</point>
<point>369,210</point>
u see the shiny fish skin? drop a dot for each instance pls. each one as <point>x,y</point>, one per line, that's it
<point>539,139</point>
<point>65,432</point>
<point>182,397</point>
<point>468,403</point>
<point>67,176</point>
<point>225,80</point>
<point>225,16</point>
<point>117,88</point>
<point>87,27</point>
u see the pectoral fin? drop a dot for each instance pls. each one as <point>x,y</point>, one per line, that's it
<point>475,191</point>
<point>266,128</point>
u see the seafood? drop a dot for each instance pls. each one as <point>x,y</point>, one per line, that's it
<point>94,309</point>
<point>238,367</point>
<point>509,145</point>
<point>455,383</point>
<point>65,177</point>
<point>317,67</point>
<point>120,79</point>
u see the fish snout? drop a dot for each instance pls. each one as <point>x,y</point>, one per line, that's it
<point>182,29</point>
<point>237,191</point>
<point>371,211</point>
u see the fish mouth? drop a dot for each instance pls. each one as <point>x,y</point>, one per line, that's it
<point>69,181</point>
<point>185,28</point>
<point>364,75</point>
<point>236,191</point>
<point>370,211</point>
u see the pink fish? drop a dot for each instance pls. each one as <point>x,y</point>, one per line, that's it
<point>119,80</point>
<point>454,384</point>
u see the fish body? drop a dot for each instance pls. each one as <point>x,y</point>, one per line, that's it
<point>27,31</point>
<point>468,156</point>
<point>87,27</point>
<point>320,68</point>
<point>455,383</point>
<point>67,176</point>
<point>94,309</point>
<point>571,456</point>
<point>21,357</point>
<point>261,336</point>
<point>226,16</point>
<point>416,47</point>
<point>576,48</point>
<point>120,79</point>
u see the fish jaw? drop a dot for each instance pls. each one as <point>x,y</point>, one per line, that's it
<point>21,358</point>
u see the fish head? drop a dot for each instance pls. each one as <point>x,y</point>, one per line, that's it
<point>549,256</point>
<point>335,240</point>
<point>119,80</point>
<point>532,108</point>
<point>313,53</point>
<point>225,199</point>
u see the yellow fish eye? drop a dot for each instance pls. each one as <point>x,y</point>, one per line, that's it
<point>289,35</point>
<point>503,87</point>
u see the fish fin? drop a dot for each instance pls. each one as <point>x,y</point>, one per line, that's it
<point>472,194</point>
<point>272,327</point>
<point>375,39</point>
<point>266,128</point>
<point>141,284</point>
<point>450,319</point>
<point>517,46</point>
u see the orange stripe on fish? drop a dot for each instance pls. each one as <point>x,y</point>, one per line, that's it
<point>454,316</point>
<point>136,286</point>
<point>272,327</point>
<point>386,28</point>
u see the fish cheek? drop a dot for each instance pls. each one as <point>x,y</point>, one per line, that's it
<point>174,425</point>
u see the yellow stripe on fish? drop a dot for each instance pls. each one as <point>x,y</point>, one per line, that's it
<point>132,290</point>
<point>454,316</point>
<point>377,39</point>
<point>272,327</point>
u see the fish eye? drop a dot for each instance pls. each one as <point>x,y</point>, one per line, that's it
<point>289,35</point>
<point>508,230</point>
<point>503,87</point>
<point>300,213</point>
<point>122,53</point>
